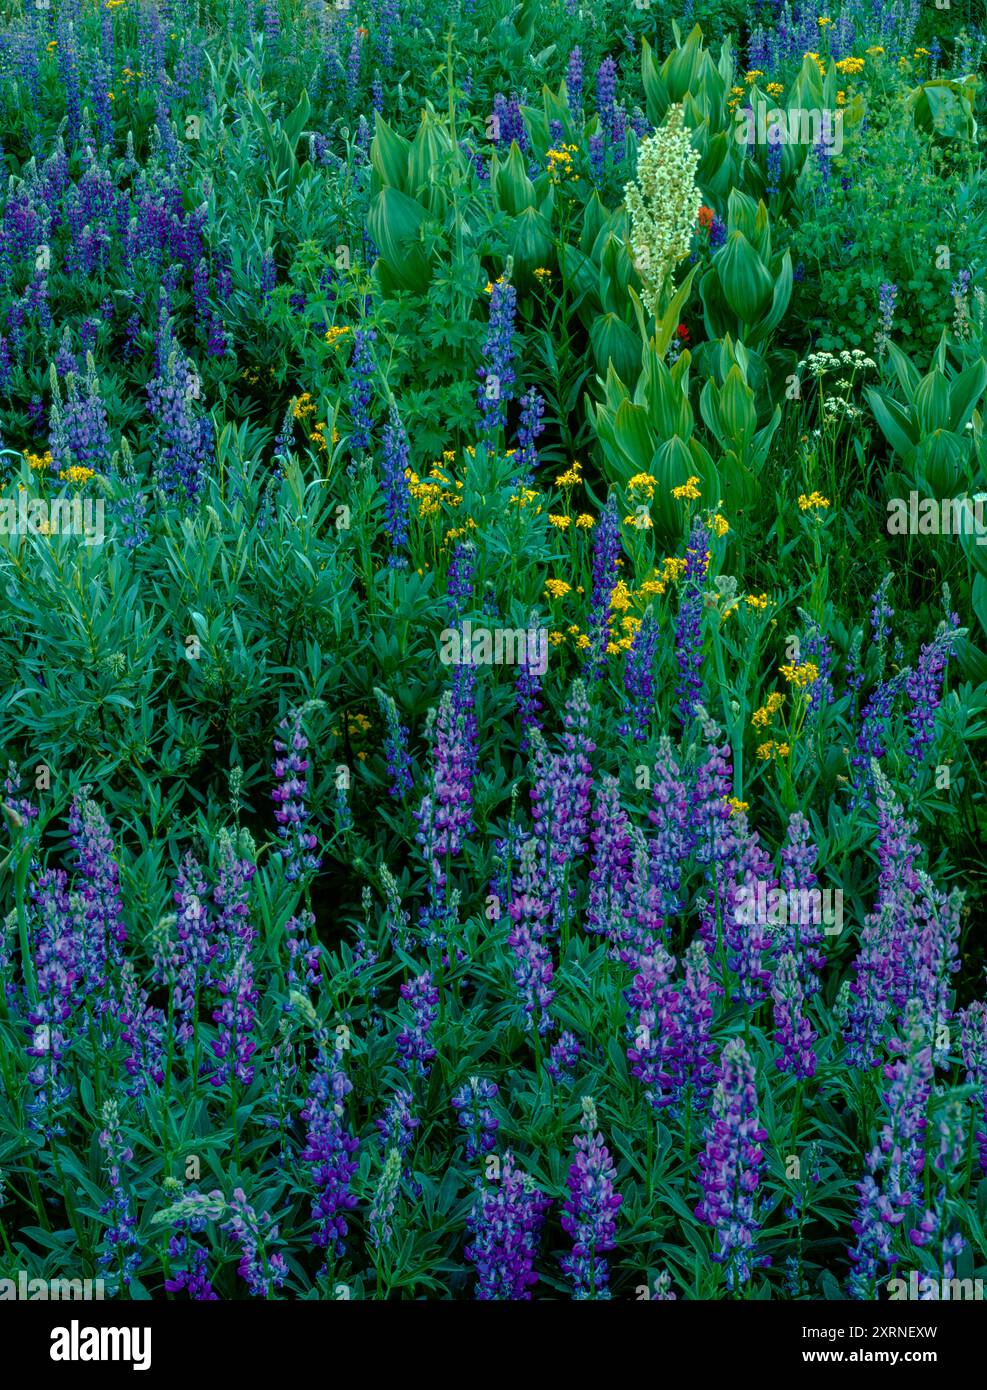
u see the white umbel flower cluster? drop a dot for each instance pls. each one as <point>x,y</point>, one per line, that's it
<point>663,203</point>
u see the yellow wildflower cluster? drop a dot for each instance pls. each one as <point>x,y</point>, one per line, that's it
<point>356,726</point>
<point>542,274</point>
<point>751,77</point>
<point>762,717</point>
<point>850,66</point>
<point>560,163</point>
<point>758,601</point>
<point>129,74</point>
<point>771,749</point>
<point>875,51</point>
<point>560,521</point>
<point>817,60</point>
<point>734,98</point>
<point>335,334</point>
<point>437,490</point>
<point>572,477</point>
<point>719,525</point>
<point>774,89</point>
<point>38,461</point>
<point>77,474</point>
<point>558,588</point>
<point>585,522</point>
<point>737,807</point>
<point>800,675</point>
<point>490,284</point>
<point>815,501</point>
<point>688,491</point>
<point>673,568</point>
<point>643,482</point>
<point>524,498</point>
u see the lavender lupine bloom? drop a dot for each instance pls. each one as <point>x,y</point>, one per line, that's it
<point>384,1201</point>
<point>730,1166</point>
<point>606,552</point>
<point>394,461</point>
<point>496,372</point>
<point>652,1020</point>
<point>142,1029</point>
<point>606,91</point>
<point>234,1047</point>
<point>398,1123</point>
<point>261,1270</point>
<point>693,1072</point>
<point>505,1224</point>
<point>328,1152</point>
<point>195,948</point>
<point>597,157</point>
<point>475,1116</point>
<point>413,1042</point>
<point>887,298</point>
<point>590,1212</point>
<point>574,81</point>
<point>802,937</point>
<point>609,876</point>
<point>188,1262</point>
<point>445,814</point>
<point>639,680</point>
<point>362,369</point>
<point>671,838</point>
<point>57,970</point>
<point>182,432</point>
<point>79,433</point>
<point>529,428</point>
<point>395,747</point>
<point>644,926</point>
<point>563,1057</point>
<point>120,1253</point>
<point>102,931</point>
<point>290,769</point>
<point>527,689</point>
<point>973,1050</point>
<point>533,970</point>
<point>794,1034</point>
<point>509,127</point>
<point>895,1165</point>
<point>923,686</point>
<point>689,622</point>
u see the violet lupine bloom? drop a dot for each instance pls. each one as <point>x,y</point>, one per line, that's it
<point>328,1153</point>
<point>527,689</point>
<point>413,1042</point>
<point>475,1116</point>
<point>672,837</point>
<point>188,1262</point>
<point>361,375</point>
<point>394,462</point>
<point>55,951</point>
<point>120,1252</point>
<point>529,428</point>
<point>395,748</point>
<point>606,552</point>
<point>259,1268</point>
<point>142,1029</point>
<point>505,1225</point>
<point>895,1165</point>
<point>574,81</point>
<point>644,925</point>
<point>730,1166</point>
<point>693,1072</point>
<point>606,92</point>
<point>794,1034</point>
<point>973,1050</point>
<point>398,1123</point>
<point>102,931</point>
<point>533,970</point>
<point>445,814</point>
<point>609,876</point>
<point>183,436</point>
<point>290,769</point>
<point>509,127</point>
<point>496,372</point>
<point>923,686</point>
<point>195,950</point>
<point>887,298</point>
<point>590,1212</point>
<point>79,435</point>
<point>639,681</point>
<point>563,1057</point>
<point>653,1024</point>
<point>234,1047</point>
<point>802,937</point>
<point>384,1201</point>
<point>689,622</point>
<point>597,157</point>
